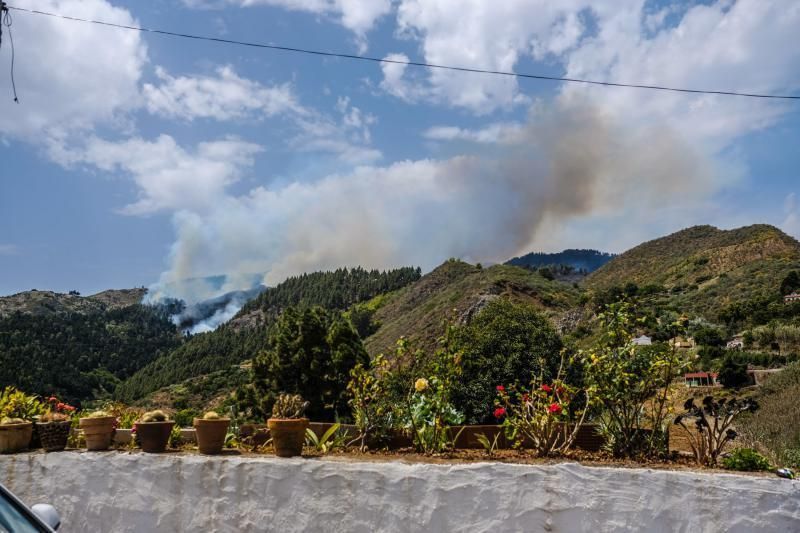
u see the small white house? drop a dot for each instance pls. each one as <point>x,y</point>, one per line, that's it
<point>736,343</point>
<point>791,298</point>
<point>644,340</point>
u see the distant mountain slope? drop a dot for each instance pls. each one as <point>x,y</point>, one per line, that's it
<point>48,302</point>
<point>588,260</point>
<point>459,290</point>
<point>242,337</point>
<point>704,268</point>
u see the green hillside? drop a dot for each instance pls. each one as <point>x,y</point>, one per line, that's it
<point>457,290</point>
<point>703,269</point>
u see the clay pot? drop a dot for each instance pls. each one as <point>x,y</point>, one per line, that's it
<point>98,432</point>
<point>154,436</point>
<point>210,434</point>
<point>54,435</point>
<point>288,435</point>
<point>15,437</point>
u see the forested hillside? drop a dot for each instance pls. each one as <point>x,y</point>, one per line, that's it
<point>80,356</point>
<point>246,334</point>
<point>580,260</point>
<point>706,270</point>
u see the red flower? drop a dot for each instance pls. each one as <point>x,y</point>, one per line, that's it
<point>59,406</point>
<point>526,398</point>
<point>547,388</point>
<point>500,412</point>
<point>560,390</point>
<point>554,409</point>
<point>69,408</point>
<point>52,399</point>
<point>500,388</point>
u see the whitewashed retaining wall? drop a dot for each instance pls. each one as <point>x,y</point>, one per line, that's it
<point>122,492</point>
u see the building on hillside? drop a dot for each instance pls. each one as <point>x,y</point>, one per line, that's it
<point>682,343</point>
<point>644,340</point>
<point>791,298</point>
<point>700,379</point>
<point>758,376</point>
<point>736,343</point>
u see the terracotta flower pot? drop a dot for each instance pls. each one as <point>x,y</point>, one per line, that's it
<point>288,435</point>
<point>210,434</point>
<point>98,432</point>
<point>15,437</point>
<point>54,435</point>
<point>154,436</point>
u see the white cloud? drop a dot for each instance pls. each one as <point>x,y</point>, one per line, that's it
<point>69,76</point>
<point>493,133</point>
<point>225,96</point>
<point>170,177</point>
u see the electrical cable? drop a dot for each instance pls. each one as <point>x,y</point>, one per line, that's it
<point>407,63</point>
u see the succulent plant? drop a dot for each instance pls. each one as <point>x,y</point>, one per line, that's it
<point>6,420</point>
<point>99,414</point>
<point>289,406</point>
<point>211,415</point>
<point>154,416</point>
<point>53,416</point>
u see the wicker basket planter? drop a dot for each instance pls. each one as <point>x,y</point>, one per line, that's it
<point>210,434</point>
<point>15,437</point>
<point>54,435</point>
<point>288,435</point>
<point>98,432</point>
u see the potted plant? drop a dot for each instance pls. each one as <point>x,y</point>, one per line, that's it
<point>15,435</point>
<point>153,431</point>
<point>55,425</point>
<point>287,427</point>
<point>98,430</point>
<point>210,432</point>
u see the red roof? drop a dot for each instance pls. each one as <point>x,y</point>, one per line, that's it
<point>700,375</point>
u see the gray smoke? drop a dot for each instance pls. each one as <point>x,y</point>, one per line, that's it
<point>572,160</point>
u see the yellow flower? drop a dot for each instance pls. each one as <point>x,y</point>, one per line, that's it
<point>421,385</point>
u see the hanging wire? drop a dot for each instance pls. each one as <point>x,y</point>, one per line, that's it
<point>7,21</point>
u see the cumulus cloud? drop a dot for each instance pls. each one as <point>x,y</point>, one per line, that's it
<point>491,134</point>
<point>70,76</point>
<point>565,162</point>
<point>225,96</point>
<point>170,177</point>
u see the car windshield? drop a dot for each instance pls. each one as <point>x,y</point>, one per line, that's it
<point>13,519</point>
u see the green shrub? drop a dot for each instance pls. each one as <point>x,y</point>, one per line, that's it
<point>746,460</point>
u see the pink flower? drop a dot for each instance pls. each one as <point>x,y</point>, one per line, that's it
<point>500,388</point>
<point>59,406</point>
<point>500,412</point>
<point>547,388</point>
<point>52,399</point>
<point>554,409</point>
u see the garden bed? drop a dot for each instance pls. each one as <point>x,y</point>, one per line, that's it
<point>115,491</point>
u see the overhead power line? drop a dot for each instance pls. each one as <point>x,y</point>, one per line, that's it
<point>401,62</point>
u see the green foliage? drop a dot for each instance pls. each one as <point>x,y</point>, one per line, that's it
<point>733,373</point>
<point>17,405</point>
<point>185,417</point>
<point>310,352</point>
<point>339,289</point>
<point>81,356</point>
<point>505,343</point>
<point>774,429</point>
<point>746,460</point>
<point>708,336</point>
<point>372,414</point>
<point>631,384</point>
<point>428,409</point>
<point>581,260</point>
<point>289,406</point>
<point>790,283</point>
<point>332,439</point>
<point>489,446</point>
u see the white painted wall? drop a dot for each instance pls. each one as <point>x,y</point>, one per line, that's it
<point>122,492</point>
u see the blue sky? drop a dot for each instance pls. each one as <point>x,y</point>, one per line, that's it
<point>137,159</point>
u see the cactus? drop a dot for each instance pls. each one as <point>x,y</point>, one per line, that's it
<point>7,420</point>
<point>98,414</point>
<point>289,406</point>
<point>154,416</point>
<point>211,415</point>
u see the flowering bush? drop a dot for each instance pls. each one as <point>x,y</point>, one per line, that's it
<point>57,411</point>
<point>371,414</point>
<point>543,416</point>
<point>16,404</point>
